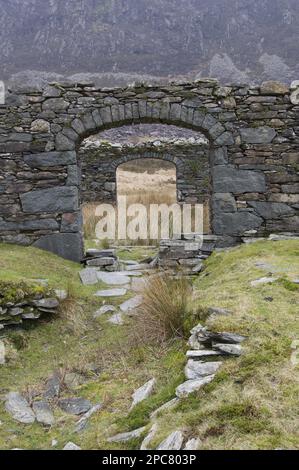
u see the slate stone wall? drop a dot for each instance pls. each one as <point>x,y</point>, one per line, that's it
<point>254,154</point>
<point>98,168</point>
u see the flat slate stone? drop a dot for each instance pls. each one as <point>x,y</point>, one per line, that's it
<point>2,353</point>
<point>191,386</point>
<point>198,369</point>
<point>147,440</point>
<point>50,304</point>
<point>100,262</point>
<point>113,279</point>
<point>52,388</point>
<point>143,392</point>
<point>262,281</point>
<point>57,199</point>
<point>19,408</point>
<point>173,442</point>
<point>258,135</point>
<point>131,304</point>
<point>127,436</point>
<point>89,276</point>
<point>75,406</point>
<point>229,349</point>
<point>201,353</point>
<point>111,293</point>
<point>43,413</point>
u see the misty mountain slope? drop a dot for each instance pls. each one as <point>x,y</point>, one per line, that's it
<point>230,39</point>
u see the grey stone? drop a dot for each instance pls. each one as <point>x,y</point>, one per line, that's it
<point>95,253</point>
<point>111,293</point>
<point>201,353</point>
<point>81,424</point>
<point>71,446</point>
<point>271,210</point>
<point>131,304</point>
<point>63,143</point>
<point>228,349</point>
<point>191,386</point>
<point>66,245</point>
<point>71,222</point>
<point>147,440</point>
<point>235,224</point>
<point>127,436</point>
<point>2,353</point>
<point>50,304</point>
<point>43,413</point>
<point>198,268</point>
<point>75,406</point>
<point>223,202</point>
<point>50,159</point>
<point>173,442</point>
<point>114,279</point>
<point>197,369</point>
<point>219,156</point>
<point>193,444</point>
<point>57,199</point>
<point>55,104</point>
<point>167,406</point>
<point>40,125</point>
<point>103,310</point>
<point>143,392</point>
<point>100,262</point>
<point>258,135</point>
<point>19,408</point>
<point>262,281</point>
<point>225,139</point>
<point>206,336</point>
<point>227,179</point>
<point>89,276</point>
<point>52,388</point>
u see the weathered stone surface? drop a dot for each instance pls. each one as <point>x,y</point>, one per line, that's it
<point>57,199</point>
<point>197,369</point>
<point>50,159</point>
<point>52,388</point>
<point>228,349</point>
<point>131,304</point>
<point>271,210</point>
<point>19,408</point>
<point>43,413</point>
<point>127,436</point>
<point>191,386</point>
<point>147,440</point>
<point>100,262</point>
<point>193,444</point>
<point>173,442</point>
<point>262,281</point>
<point>48,304</point>
<point>89,276</point>
<point>143,392</point>
<point>113,279</point>
<point>224,202</point>
<point>258,135</point>
<point>40,125</point>
<point>111,293</point>
<point>274,88</point>
<point>103,310</point>
<point>236,223</point>
<point>75,406</point>
<point>66,245</point>
<point>201,353</point>
<point>55,104</point>
<point>228,179</point>
<point>219,311</point>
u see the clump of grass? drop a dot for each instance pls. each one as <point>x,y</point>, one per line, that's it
<point>165,308</point>
<point>71,310</point>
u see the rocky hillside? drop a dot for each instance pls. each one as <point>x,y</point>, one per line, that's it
<point>122,39</point>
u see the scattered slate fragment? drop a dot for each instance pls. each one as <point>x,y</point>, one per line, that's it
<point>75,406</point>
<point>191,386</point>
<point>127,436</point>
<point>229,349</point>
<point>52,388</point>
<point>71,446</point>
<point>111,293</point>
<point>43,413</point>
<point>143,392</point>
<point>19,408</point>
<point>199,369</point>
<point>173,442</point>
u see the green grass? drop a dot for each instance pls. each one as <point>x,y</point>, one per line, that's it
<point>252,403</point>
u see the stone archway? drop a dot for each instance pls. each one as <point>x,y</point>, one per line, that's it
<point>253,134</point>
